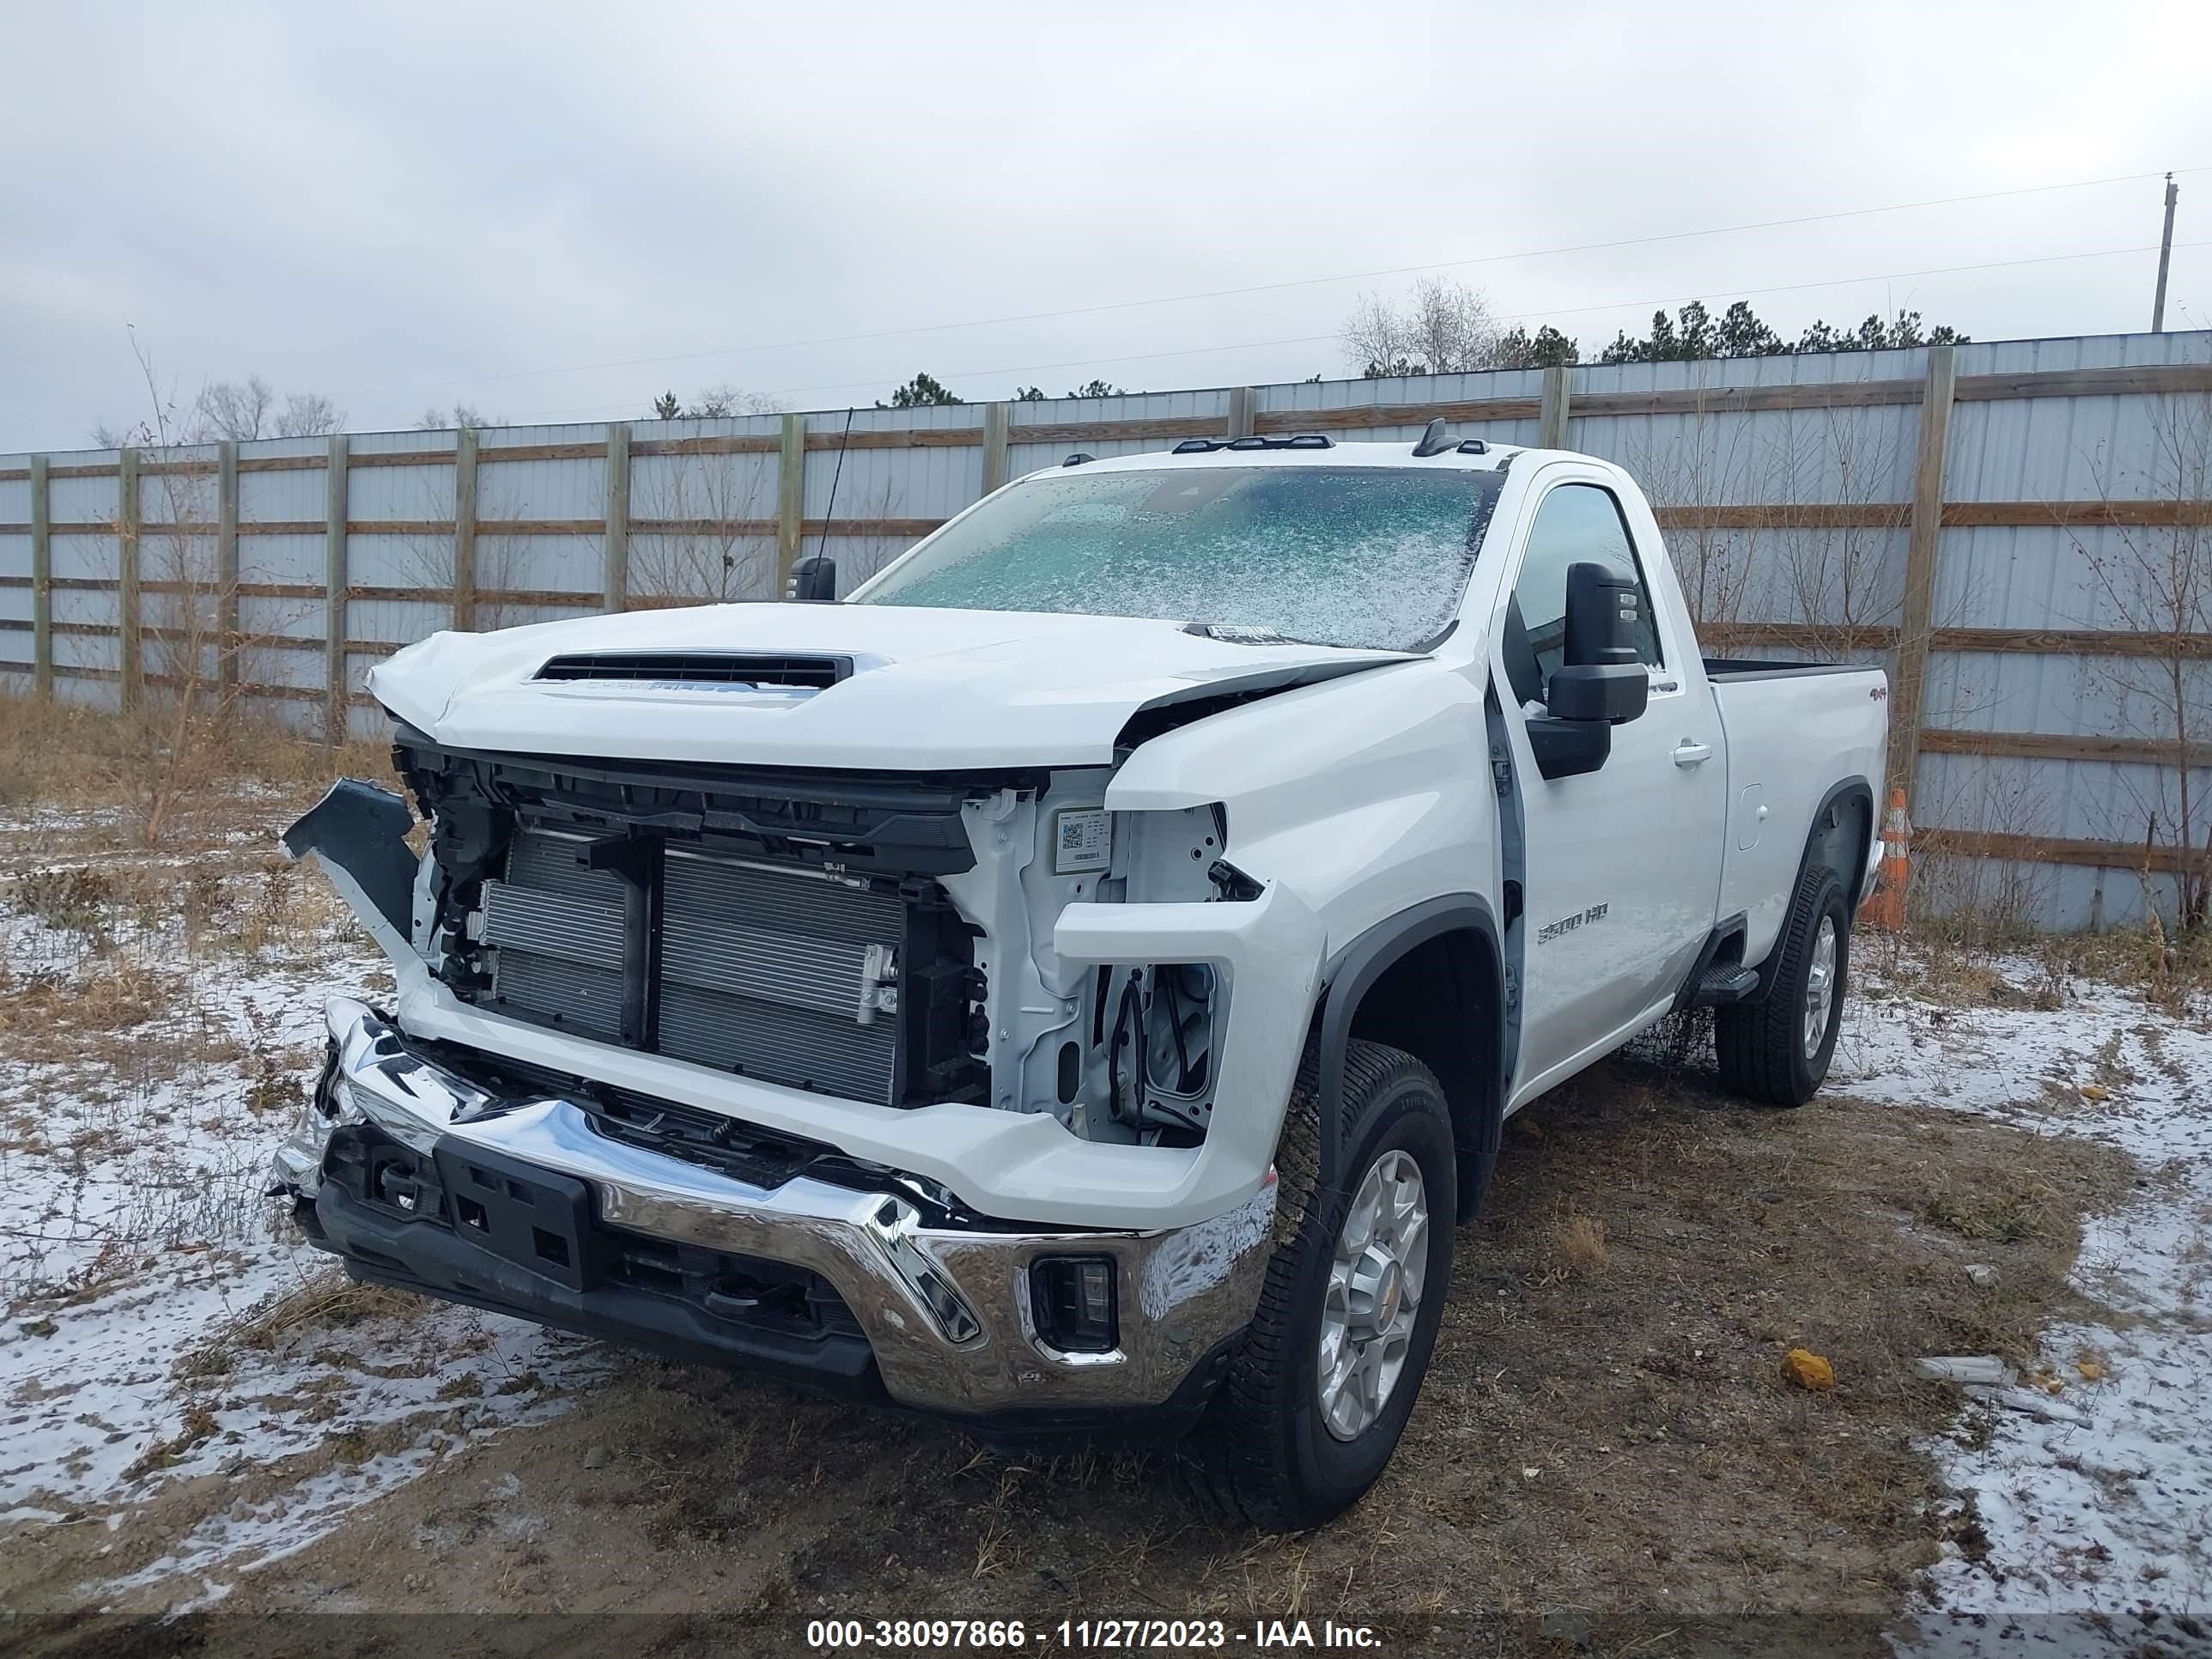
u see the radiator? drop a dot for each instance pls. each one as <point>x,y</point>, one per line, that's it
<point>756,971</point>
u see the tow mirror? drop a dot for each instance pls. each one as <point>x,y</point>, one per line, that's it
<point>1601,683</point>
<point>814,581</point>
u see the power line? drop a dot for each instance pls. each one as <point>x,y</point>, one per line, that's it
<point>1514,317</point>
<point>1271,287</point>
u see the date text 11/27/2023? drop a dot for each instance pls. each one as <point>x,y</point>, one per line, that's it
<point>1104,1635</point>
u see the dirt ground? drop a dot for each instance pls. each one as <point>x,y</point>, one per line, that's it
<point>1606,1457</point>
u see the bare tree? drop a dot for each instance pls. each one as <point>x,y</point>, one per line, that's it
<point>197,662</point>
<point>1836,570</point>
<point>715,403</point>
<point>1710,461</point>
<point>434,419</point>
<point>309,415</point>
<point>240,410</point>
<point>1442,327</point>
<point>2150,573</point>
<point>424,558</point>
<point>231,409</point>
<point>700,533</point>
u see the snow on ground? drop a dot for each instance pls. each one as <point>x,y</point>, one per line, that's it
<point>163,1322</point>
<point>2091,1523</point>
<point>163,1326</point>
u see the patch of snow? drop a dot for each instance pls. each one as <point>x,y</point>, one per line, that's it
<point>130,1198</point>
<point>2099,1524</point>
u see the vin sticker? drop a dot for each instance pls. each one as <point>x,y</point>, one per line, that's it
<point>1082,840</point>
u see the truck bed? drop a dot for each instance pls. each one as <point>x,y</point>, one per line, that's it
<point>1797,732</point>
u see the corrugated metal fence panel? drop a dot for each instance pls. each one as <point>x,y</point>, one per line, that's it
<point>1327,397</point>
<point>14,575</point>
<point>1209,408</point>
<point>570,488</point>
<point>703,526</point>
<point>698,497</point>
<point>84,547</point>
<point>927,480</point>
<point>2091,448</point>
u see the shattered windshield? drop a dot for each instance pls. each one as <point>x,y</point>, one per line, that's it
<point>1373,558</point>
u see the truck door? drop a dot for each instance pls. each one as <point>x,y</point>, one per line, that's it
<point>1624,863</point>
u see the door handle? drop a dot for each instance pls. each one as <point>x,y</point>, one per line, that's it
<point>1687,754</point>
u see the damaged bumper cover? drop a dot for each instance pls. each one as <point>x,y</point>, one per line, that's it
<point>418,1173</point>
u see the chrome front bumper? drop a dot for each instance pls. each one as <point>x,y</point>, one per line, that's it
<point>946,1310</point>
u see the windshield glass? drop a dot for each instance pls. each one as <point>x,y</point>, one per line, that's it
<point>1367,556</point>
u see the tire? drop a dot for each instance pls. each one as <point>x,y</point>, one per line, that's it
<point>1776,1050</point>
<point>1265,1453</point>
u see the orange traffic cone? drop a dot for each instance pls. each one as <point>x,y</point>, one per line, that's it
<point>1888,906</point>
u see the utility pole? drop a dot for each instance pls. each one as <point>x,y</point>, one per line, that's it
<point>2165,258</point>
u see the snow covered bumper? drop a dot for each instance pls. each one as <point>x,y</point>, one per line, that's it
<point>644,1222</point>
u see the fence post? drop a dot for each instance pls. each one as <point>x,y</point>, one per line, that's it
<point>42,582</point>
<point>1552,409</point>
<point>790,500</point>
<point>226,571</point>
<point>1242,403</point>
<point>128,617</point>
<point>994,446</point>
<point>618,544</point>
<point>464,529</point>
<point>1916,617</point>
<point>334,591</point>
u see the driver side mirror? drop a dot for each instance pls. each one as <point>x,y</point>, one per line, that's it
<point>1601,683</point>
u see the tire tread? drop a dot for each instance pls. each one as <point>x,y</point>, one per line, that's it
<point>1233,1461</point>
<point>1756,1044</point>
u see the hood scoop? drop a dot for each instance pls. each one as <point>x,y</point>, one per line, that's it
<point>759,671</point>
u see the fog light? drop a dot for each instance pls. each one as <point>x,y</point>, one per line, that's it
<point>1072,1297</point>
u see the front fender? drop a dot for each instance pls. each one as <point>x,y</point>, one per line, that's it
<point>1269,953</point>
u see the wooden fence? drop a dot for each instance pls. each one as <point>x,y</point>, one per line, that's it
<point>92,626</point>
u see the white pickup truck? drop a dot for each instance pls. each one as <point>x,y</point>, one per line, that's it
<point>1075,982</point>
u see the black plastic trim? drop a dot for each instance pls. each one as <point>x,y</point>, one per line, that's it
<point>362,829</point>
<point>417,1255</point>
<point>1349,973</point>
<point>1726,929</point>
<point>1734,670</point>
<point>1854,880</point>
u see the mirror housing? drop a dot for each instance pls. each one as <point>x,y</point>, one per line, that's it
<point>1611,692</point>
<point>1605,614</point>
<point>814,581</point>
<point>1602,683</point>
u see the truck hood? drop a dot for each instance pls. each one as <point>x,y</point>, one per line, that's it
<point>921,689</point>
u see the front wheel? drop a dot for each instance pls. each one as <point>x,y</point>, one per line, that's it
<point>1776,1050</point>
<point>1317,1395</point>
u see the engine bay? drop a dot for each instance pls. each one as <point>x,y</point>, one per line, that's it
<point>874,937</point>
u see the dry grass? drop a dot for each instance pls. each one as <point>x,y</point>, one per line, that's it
<point>327,1300</point>
<point>215,776</point>
<point>1582,1244</point>
<point>1606,1416</point>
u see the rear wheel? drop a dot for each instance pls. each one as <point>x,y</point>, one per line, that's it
<point>1317,1395</point>
<point>1778,1050</point>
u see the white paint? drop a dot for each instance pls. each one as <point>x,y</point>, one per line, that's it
<point>1354,800</point>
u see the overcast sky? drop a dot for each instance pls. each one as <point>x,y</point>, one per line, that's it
<point>554,212</point>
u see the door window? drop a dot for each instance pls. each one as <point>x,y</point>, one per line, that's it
<point>1576,522</point>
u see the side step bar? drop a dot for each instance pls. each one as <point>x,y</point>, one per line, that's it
<point>1723,983</point>
<point>1711,981</point>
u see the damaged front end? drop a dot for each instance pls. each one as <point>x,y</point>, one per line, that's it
<point>959,1091</point>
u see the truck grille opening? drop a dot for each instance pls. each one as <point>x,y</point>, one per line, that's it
<point>701,668</point>
<point>787,926</point>
<point>790,978</point>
